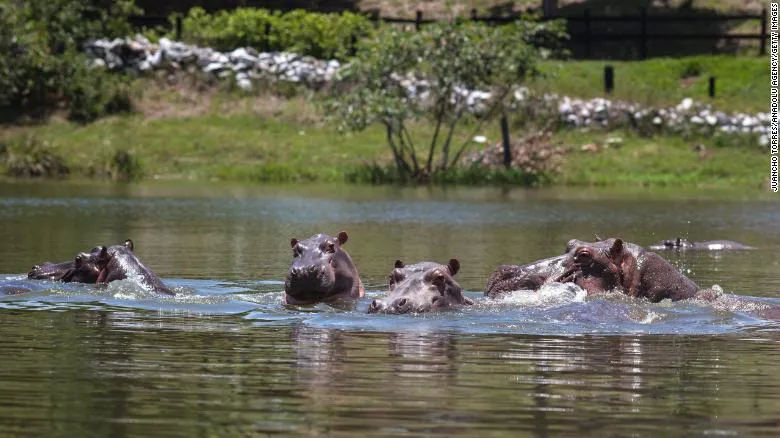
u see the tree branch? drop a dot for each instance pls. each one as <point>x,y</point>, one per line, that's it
<point>481,122</point>
<point>432,149</point>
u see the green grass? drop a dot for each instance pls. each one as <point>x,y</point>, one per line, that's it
<point>662,161</point>
<point>742,83</point>
<point>245,147</point>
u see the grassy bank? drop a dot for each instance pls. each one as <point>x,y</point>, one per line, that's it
<point>181,134</point>
<point>742,83</point>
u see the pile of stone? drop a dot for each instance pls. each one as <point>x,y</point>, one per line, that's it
<point>138,54</point>
<point>246,65</point>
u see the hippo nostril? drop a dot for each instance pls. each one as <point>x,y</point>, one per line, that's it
<point>374,307</point>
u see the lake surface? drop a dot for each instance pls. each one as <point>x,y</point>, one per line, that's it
<point>226,358</point>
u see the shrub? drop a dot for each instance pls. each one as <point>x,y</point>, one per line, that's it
<point>40,59</point>
<point>451,58</point>
<point>34,159</point>
<point>308,33</point>
<point>91,93</point>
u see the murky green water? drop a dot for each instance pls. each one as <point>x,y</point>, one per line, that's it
<point>224,357</point>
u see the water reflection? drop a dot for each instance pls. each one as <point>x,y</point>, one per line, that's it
<point>226,358</point>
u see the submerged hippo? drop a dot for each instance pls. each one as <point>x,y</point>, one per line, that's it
<point>421,287</point>
<point>682,244</point>
<point>118,262</point>
<point>611,263</point>
<point>81,269</point>
<point>321,271</point>
<point>508,278</point>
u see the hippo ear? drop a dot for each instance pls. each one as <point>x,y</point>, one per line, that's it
<point>399,264</point>
<point>454,266</point>
<point>598,238</point>
<point>679,241</point>
<point>293,242</point>
<point>103,253</point>
<point>129,244</point>
<point>343,237</point>
<point>616,249</point>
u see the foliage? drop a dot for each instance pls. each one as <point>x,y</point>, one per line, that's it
<point>29,157</point>
<point>40,59</point>
<point>453,58</point>
<point>320,35</point>
<point>91,93</point>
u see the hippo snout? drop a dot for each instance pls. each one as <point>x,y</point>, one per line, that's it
<point>375,306</point>
<point>398,306</point>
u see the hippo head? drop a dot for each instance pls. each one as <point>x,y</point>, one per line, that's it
<point>52,271</point>
<point>421,287</point>
<point>678,243</point>
<point>596,267</point>
<point>313,272</point>
<point>101,260</point>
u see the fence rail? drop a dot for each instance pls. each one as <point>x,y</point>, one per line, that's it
<point>586,37</point>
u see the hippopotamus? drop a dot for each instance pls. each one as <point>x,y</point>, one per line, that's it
<point>118,262</point>
<point>532,276</point>
<point>321,271</point>
<point>682,244</point>
<point>611,263</point>
<point>421,287</point>
<point>79,270</point>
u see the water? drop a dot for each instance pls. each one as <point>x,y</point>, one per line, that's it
<point>225,357</point>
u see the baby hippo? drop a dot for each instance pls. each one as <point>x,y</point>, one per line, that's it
<point>118,262</point>
<point>321,271</point>
<point>421,287</point>
<point>79,270</point>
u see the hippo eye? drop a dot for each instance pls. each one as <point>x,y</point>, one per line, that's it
<point>331,248</point>
<point>296,251</point>
<point>583,256</point>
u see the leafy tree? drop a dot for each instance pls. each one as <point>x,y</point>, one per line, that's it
<point>451,58</point>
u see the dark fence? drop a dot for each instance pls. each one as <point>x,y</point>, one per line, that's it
<point>585,37</point>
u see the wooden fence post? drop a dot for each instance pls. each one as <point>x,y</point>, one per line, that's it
<point>587,33</point>
<point>505,138</point>
<point>179,24</point>
<point>762,43</point>
<point>609,79</point>
<point>712,86</point>
<point>418,20</point>
<point>267,39</point>
<point>643,43</point>
<point>474,14</point>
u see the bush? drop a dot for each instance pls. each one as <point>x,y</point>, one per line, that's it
<point>308,33</point>
<point>32,158</point>
<point>91,93</point>
<point>451,58</point>
<point>40,60</point>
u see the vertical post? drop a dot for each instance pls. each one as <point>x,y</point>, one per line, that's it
<point>352,45</point>
<point>505,138</point>
<point>267,39</point>
<point>418,20</point>
<point>762,43</point>
<point>178,27</point>
<point>474,14</point>
<point>375,17</point>
<point>609,79</point>
<point>712,86</point>
<point>587,33</point>
<point>643,43</point>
